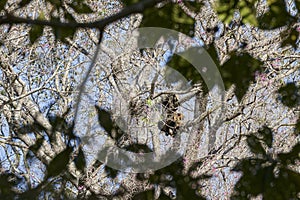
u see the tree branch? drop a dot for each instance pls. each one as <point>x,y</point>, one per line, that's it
<point>100,24</point>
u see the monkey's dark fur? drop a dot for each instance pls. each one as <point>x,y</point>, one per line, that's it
<point>174,119</point>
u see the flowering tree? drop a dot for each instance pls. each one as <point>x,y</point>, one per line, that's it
<point>73,82</point>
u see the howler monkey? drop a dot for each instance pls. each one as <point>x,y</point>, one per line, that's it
<point>174,119</point>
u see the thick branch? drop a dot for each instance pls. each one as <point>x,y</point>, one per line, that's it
<point>100,24</point>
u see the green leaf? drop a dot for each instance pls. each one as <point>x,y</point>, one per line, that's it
<point>61,33</point>
<point>112,173</point>
<point>109,125</point>
<point>297,2</point>
<point>289,95</point>
<point>291,157</point>
<point>2,4</point>
<point>290,38</point>
<point>185,68</point>
<point>255,145</point>
<point>170,16</point>
<point>78,1</point>
<point>69,17</point>
<point>248,12</point>
<point>80,161</point>
<point>266,132</point>
<point>193,5</point>
<point>297,127</point>
<point>238,70</point>
<point>59,162</point>
<point>226,8</point>
<point>257,178</point>
<point>138,148</point>
<point>208,74</point>
<point>81,8</point>
<point>8,184</point>
<point>104,119</point>
<point>56,3</point>
<point>270,20</point>
<point>287,184</point>
<point>294,179</point>
<point>37,145</point>
<point>149,102</point>
<point>259,182</point>
<point>24,3</point>
<point>58,123</point>
<point>129,2</point>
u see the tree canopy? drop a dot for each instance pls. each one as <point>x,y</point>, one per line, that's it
<point>149,99</point>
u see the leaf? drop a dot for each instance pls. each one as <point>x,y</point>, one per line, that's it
<point>266,132</point>
<point>29,128</point>
<point>257,178</point>
<point>35,32</point>
<point>69,17</point>
<point>290,38</point>
<point>148,194</point>
<point>170,16</point>
<point>183,183</point>
<point>37,145</point>
<point>270,20</point>
<point>8,184</point>
<point>257,182</point>
<point>149,102</point>
<point>138,148</point>
<point>78,1</point>
<point>297,2</point>
<point>209,75</point>
<point>291,157</point>
<point>129,2</point>
<point>59,162</point>
<point>289,94</point>
<point>111,127</point>
<point>294,179</point>
<point>287,184</point>
<point>248,12</point>
<point>297,127</point>
<point>58,123</point>
<point>104,119</point>
<point>238,70</point>
<point>185,68</point>
<point>81,8</point>
<point>255,145</point>
<point>56,3</point>
<point>226,8</point>
<point>2,4</point>
<point>80,161</point>
<point>24,3</point>
<point>61,33</point>
<point>195,6</point>
<point>112,173</point>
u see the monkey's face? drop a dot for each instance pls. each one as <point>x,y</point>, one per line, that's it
<point>172,124</point>
<point>178,117</point>
<point>173,119</point>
